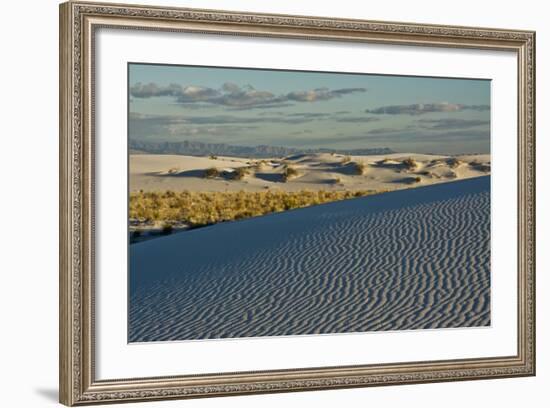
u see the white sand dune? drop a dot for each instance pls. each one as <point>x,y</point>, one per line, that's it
<point>315,171</point>
<point>409,259</point>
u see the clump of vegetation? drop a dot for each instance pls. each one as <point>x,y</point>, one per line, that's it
<point>359,168</point>
<point>346,159</point>
<point>481,166</point>
<point>212,172</point>
<point>414,180</point>
<point>173,170</point>
<point>213,157</point>
<point>240,173</point>
<point>454,162</point>
<point>197,209</point>
<point>410,163</point>
<point>167,228</point>
<point>289,173</point>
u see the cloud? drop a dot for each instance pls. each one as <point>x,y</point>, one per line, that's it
<point>356,119</point>
<point>151,90</point>
<point>236,97</point>
<point>385,131</point>
<point>434,137</point>
<point>321,94</point>
<point>230,87</point>
<point>149,120</point>
<point>144,126</point>
<point>192,94</point>
<point>451,123</point>
<point>422,108</point>
<point>301,132</point>
<point>308,115</point>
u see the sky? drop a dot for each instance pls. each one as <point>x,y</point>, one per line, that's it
<point>249,107</point>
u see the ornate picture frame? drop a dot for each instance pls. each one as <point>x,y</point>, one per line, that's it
<point>79,22</point>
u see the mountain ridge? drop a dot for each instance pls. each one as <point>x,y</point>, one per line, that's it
<point>194,148</point>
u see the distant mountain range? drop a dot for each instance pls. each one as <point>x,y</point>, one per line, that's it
<point>191,148</point>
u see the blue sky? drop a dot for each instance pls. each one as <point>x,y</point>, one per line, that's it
<point>308,109</point>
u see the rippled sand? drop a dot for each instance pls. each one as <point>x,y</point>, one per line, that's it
<point>410,259</point>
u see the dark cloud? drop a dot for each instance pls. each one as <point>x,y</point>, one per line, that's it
<point>450,123</point>
<point>385,131</point>
<point>233,96</point>
<point>250,107</point>
<point>308,115</point>
<point>422,108</point>
<point>356,119</point>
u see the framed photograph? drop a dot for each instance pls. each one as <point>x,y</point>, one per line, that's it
<point>256,203</point>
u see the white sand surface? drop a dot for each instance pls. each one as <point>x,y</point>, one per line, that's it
<point>410,259</point>
<point>315,172</point>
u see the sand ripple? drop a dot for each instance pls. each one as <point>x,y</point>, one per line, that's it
<point>413,259</point>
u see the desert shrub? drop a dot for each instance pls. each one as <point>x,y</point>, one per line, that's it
<point>454,162</point>
<point>480,166</point>
<point>167,228</point>
<point>213,157</point>
<point>204,208</point>
<point>289,173</point>
<point>173,170</point>
<point>359,168</point>
<point>346,159</point>
<point>410,163</point>
<point>240,173</point>
<point>212,172</point>
<point>413,180</point>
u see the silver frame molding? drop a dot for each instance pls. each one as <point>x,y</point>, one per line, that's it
<point>78,22</point>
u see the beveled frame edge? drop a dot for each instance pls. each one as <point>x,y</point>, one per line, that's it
<point>78,20</point>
